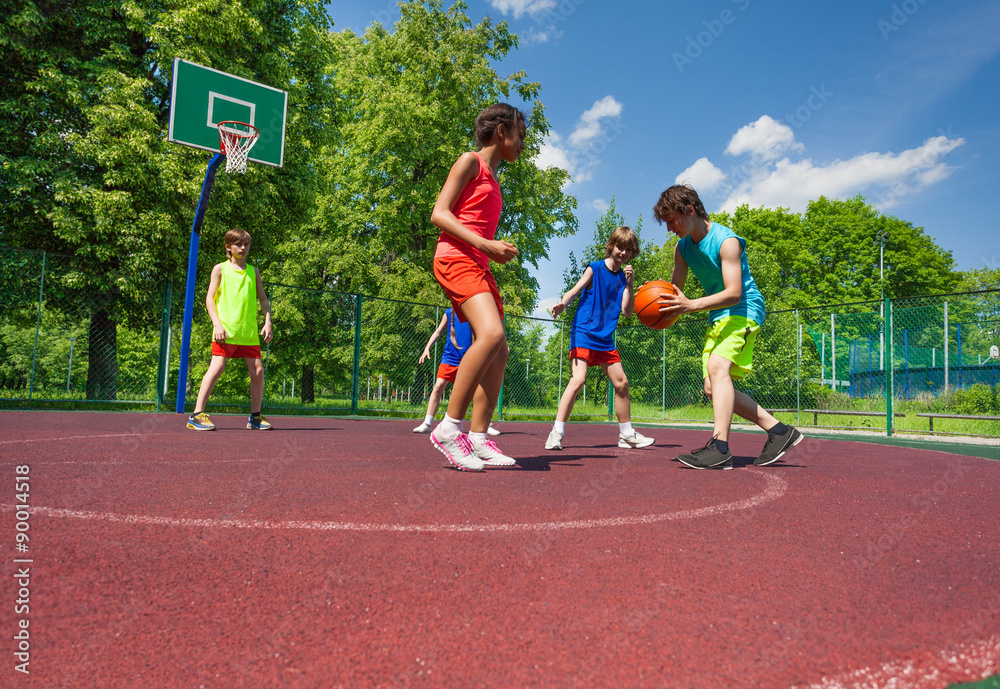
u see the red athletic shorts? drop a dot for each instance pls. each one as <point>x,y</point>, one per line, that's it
<point>461,277</point>
<point>235,351</point>
<point>595,358</point>
<point>447,372</point>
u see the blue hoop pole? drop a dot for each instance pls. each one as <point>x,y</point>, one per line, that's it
<point>192,270</point>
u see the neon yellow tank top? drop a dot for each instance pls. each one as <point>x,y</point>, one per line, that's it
<point>236,304</point>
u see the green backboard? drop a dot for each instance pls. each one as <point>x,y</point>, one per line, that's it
<point>201,97</point>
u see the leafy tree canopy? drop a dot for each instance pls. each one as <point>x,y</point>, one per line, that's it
<point>830,253</point>
<point>407,103</point>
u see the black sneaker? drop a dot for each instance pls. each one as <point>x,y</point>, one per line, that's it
<point>708,457</point>
<point>777,445</point>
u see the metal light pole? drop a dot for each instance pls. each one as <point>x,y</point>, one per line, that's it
<point>69,372</point>
<point>882,236</point>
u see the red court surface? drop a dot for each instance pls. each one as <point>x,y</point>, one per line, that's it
<point>343,553</point>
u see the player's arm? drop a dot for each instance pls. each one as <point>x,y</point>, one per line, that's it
<point>730,255</point>
<point>434,336</point>
<point>265,304</point>
<point>628,296</point>
<point>462,172</point>
<point>219,334</point>
<point>568,298</point>
<point>680,273</point>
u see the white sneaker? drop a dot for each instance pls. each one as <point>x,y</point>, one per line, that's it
<point>491,455</point>
<point>555,440</point>
<point>423,428</point>
<point>492,431</point>
<point>635,439</point>
<point>458,450</point>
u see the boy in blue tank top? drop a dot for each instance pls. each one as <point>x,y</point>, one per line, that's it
<point>606,293</point>
<point>459,339</point>
<point>735,308</point>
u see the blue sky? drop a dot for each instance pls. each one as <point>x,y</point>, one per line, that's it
<point>768,103</point>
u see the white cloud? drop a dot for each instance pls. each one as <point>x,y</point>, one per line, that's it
<point>884,178</point>
<point>766,139</point>
<point>579,153</point>
<point>521,7</point>
<point>702,175</point>
<point>540,36</point>
<point>600,205</point>
<point>552,153</point>
<point>589,127</point>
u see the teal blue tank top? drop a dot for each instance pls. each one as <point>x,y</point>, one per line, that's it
<point>704,260</point>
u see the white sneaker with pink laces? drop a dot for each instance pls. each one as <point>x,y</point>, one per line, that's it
<point>458,450</point>
<point>491,455</point>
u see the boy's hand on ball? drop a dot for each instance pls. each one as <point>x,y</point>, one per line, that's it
<point>674,304</point>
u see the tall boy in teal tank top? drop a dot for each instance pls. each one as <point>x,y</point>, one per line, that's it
<point>233,293</point>
<point>736,312</point>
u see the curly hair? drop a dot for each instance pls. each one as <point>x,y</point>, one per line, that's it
<point>678,198</point>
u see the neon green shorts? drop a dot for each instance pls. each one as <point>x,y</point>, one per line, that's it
<point>731,338</point>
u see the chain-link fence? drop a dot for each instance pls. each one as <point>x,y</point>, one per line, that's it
<point>919,365</point>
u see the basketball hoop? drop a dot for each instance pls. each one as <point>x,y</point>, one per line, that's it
<point>235,141</point>
<point>995,352</point>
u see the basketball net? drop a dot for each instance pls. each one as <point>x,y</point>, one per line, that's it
<point>235,141</point>
<point>995,352</point>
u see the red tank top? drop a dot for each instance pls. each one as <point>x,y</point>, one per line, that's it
<point>478,208</point>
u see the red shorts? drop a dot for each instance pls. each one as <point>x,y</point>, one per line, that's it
<point>235,351</point>
<point>595,358</point>
<point>447,372</point>
<point>461,277</point>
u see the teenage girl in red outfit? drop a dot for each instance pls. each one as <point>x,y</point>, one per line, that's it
<point>467,211</point>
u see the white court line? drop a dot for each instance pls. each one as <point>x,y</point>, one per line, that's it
<point>77,437</point>
<point>975,661</point>
<point>775,488</point>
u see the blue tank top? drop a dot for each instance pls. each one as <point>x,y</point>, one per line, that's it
<point>463,336</point>
<point>704,259</point>
<point>600,306</point>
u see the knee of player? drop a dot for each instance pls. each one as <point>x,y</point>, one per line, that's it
<point>621,386</point>
<point>708,388</point>
<point>493,337</point>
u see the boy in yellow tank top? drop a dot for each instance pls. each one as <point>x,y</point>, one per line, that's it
<point>233,293</point>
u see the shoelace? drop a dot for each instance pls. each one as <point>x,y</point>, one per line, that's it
<point>492,446</point>
<point>464,443</point>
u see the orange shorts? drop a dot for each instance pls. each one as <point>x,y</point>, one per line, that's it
<point>235,351</point>
<point>461,277</point>
<point>447,372</point>
<point>595,358</point>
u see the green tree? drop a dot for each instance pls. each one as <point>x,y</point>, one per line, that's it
<point>407,101</point>
<point>830,255</point>
<point>86,168</point>
<point>406,109</point>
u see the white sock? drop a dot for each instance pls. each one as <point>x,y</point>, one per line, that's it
<point>477,438</point>
<point>428,419</point>
<point>625,429</point>
<point>559,426</point>
<point>449,427</point>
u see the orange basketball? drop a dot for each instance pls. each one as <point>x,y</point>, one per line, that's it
<point>647,305</point>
